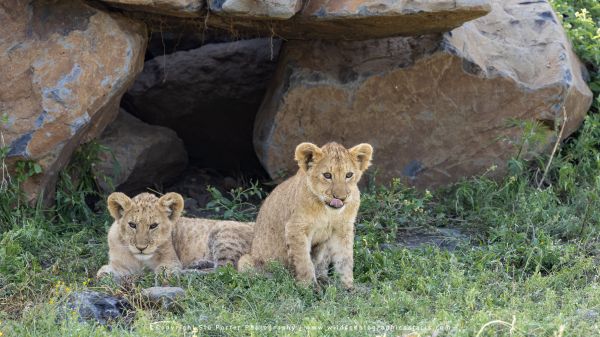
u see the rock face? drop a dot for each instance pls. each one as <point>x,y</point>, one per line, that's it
<point>209,96</point>
<point>435,108</point>
<point>140,156</point>
<point>184,38</point>
<point>344,19</point>
<point>181,8</point>
<point>64,67</point>
<point>316,19</point>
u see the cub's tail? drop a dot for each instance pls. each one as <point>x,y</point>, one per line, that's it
<point>229,241</point>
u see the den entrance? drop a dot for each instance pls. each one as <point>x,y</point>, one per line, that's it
<point>207,87</point>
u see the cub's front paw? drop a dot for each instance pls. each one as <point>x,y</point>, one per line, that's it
<point>168,270</point>
<point>324,280</point>
<point>306,279</point>
<point>105,270</point>
<point>347,281</point>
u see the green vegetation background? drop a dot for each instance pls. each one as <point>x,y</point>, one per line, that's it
<point>530,267</point>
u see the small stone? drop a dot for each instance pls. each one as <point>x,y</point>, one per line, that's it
<point>190,201</point>
<point>100,307</point>
<point>388,246</point>
<point>192,208</point>
<point>590,315</point>
<point>443,238</point>
<point>229,183</point>
<point>164,297</point>
<point>190,204</point>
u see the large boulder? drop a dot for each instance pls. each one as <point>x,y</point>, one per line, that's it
<point>310,19</point>
<point>65,66</point>
<point>436,108</point>
<point>344,19</point>
<point>209,96</point>
<point>179,8</point>
<point>139,156</point>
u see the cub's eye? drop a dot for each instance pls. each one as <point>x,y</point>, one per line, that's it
<point>349,175</point>
<point>327,175</point>
<point>154,225</point>
<point>132,225</point>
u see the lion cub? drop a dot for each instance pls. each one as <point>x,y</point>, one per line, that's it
<point>149,233</point>
<point>308,220</point>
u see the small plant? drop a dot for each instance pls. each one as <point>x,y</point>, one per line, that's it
<point>241,205</point>
<point>24,169</point>
<point>581,19</point>
<point>37,247</point>
<point>5,181</point>
<point>385,210</point>
<point>77,189</point>
<point>14,208</point>
<point>532,134</point>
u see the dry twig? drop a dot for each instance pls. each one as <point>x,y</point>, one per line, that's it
<point>558,140</point>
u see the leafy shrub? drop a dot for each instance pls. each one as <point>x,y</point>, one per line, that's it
<point>77,190</point>
<point>581,19</point>
<point>39,246</point>
<point>241,204</point>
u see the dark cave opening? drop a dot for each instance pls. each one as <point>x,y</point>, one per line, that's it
<point>208,89</point>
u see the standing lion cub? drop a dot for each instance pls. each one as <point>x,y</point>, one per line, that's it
<point>149,233</point>
<point>308,220</point>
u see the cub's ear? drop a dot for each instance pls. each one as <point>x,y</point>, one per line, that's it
<point>118,203</point>
<point>362,153</point>
<point>307,154</point>
<point>172,203</point>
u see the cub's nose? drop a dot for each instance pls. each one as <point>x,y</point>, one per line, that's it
<point>140,248</point>
<point>342,198</point>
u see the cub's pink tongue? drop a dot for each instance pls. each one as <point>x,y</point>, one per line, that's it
<point>337,203</point>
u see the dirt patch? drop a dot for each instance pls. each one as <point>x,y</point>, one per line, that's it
<point>445,238</point>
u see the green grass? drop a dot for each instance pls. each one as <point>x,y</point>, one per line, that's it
<point>522,270</point>
<point>542,287</point>
<point>529,268</point>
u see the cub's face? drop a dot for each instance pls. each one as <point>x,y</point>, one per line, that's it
<point>145,222</point>
<point>333,171</point>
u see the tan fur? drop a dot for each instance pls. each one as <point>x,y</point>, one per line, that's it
<point>296,226</point>
<point>176,242</point>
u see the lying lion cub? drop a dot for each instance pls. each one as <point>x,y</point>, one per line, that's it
<point>308,220</point>
<point>149,233</point>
